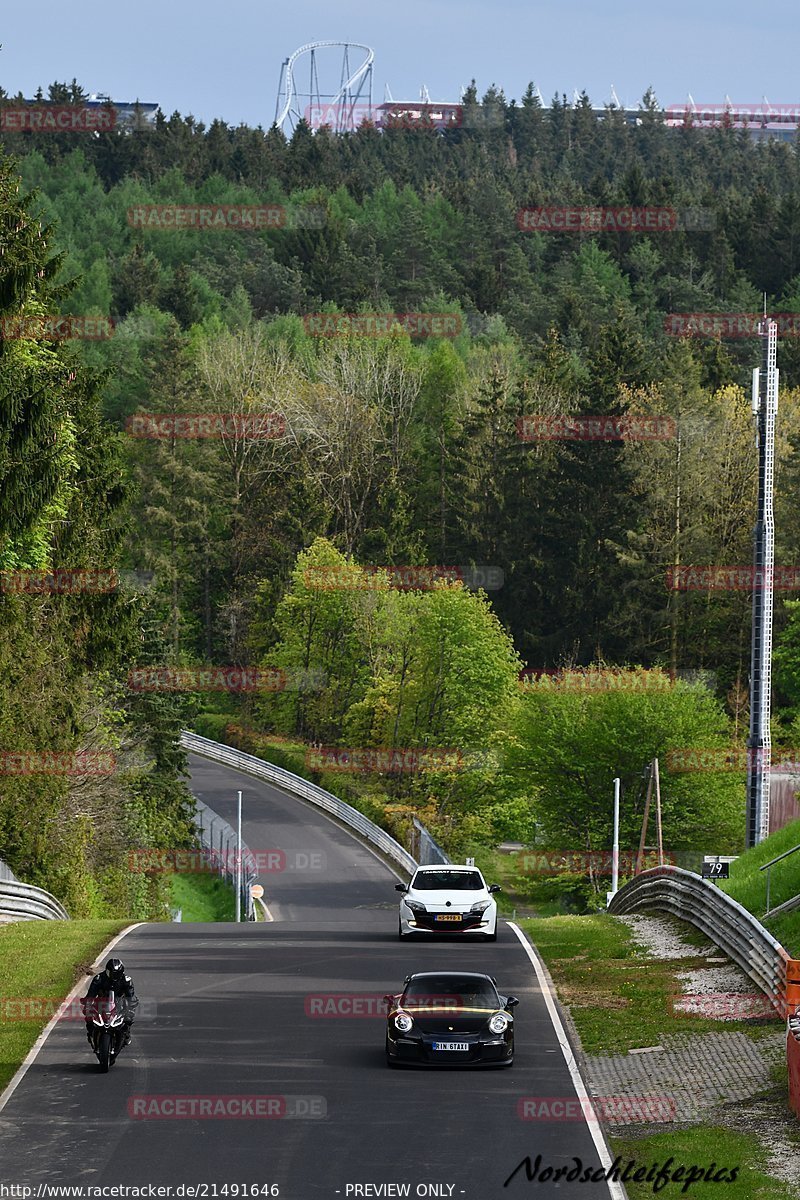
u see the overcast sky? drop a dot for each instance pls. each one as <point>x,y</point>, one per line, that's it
<point>218,58</point>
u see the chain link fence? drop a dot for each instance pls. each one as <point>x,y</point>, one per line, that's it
<point>219,838</point>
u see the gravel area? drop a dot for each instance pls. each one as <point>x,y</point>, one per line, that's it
<point>776,1128</point>
<point>723,1078</point>
<point>661,937</point>
<point>722,990</point>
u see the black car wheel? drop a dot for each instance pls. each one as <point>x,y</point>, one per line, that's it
<point>400,934</point>
<point>490,937</point>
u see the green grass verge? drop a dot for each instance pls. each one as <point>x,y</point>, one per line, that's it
<point>530,894</point>
<point>203,897</point>
<point>702,1145</point>
<point>748,884</point>
<point>619,998</point>
<point>41,961</point>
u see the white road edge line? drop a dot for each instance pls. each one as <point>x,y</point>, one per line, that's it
<point>30,1057</point>
<point>615,1189</point>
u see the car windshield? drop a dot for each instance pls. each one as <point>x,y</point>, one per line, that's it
<point>447,881</point>
<point>457,991</point>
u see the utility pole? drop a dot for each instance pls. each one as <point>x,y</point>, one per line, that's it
<point>239,859</point>
<point>615,849</point>
<point>765,408</point>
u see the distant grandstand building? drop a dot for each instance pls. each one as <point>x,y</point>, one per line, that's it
<point>761,121</point>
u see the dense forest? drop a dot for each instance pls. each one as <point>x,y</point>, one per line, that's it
<point>396,450</point>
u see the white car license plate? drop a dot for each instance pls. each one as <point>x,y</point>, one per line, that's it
<point>451,1045</point>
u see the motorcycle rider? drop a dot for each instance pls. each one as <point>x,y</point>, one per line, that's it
<point>113,979</point>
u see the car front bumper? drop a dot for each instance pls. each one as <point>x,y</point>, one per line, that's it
<point>427,923</point>
<point>482,1052</point>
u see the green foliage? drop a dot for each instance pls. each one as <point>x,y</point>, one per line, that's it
<point>63,652</point>
<point>571,741</point>
<point>786,657</point>
<point>395,451</point>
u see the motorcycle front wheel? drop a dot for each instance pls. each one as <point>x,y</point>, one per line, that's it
<point>104,1050</point>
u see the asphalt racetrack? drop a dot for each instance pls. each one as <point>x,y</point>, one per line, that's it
<point>288,1011</point>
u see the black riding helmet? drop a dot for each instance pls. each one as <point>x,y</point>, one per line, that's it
<point>115,970</point>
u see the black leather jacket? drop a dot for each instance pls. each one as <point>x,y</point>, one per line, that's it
<point>123,989</point>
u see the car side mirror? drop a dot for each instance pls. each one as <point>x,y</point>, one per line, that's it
<point>512,1002</point>
<point>401,887</point>
<point>388,1001</point>
<point>495,888</point>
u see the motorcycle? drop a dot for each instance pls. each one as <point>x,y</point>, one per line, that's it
<point>108,1028</point>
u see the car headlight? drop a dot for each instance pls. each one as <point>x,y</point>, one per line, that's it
<point>480,906</point>
<point>403,1022</point>
<point>415,906</point>
<point>498,1023</point>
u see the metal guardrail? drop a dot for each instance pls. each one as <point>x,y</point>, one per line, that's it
<point>723,920</point>
<point>24,902</point>
<point>428,851</point>
<point>219,838</point>
<point>298,786</point>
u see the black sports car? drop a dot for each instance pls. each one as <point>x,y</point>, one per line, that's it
<point>455,1018</point>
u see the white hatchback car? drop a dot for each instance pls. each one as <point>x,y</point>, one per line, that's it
<point>448,899</point>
